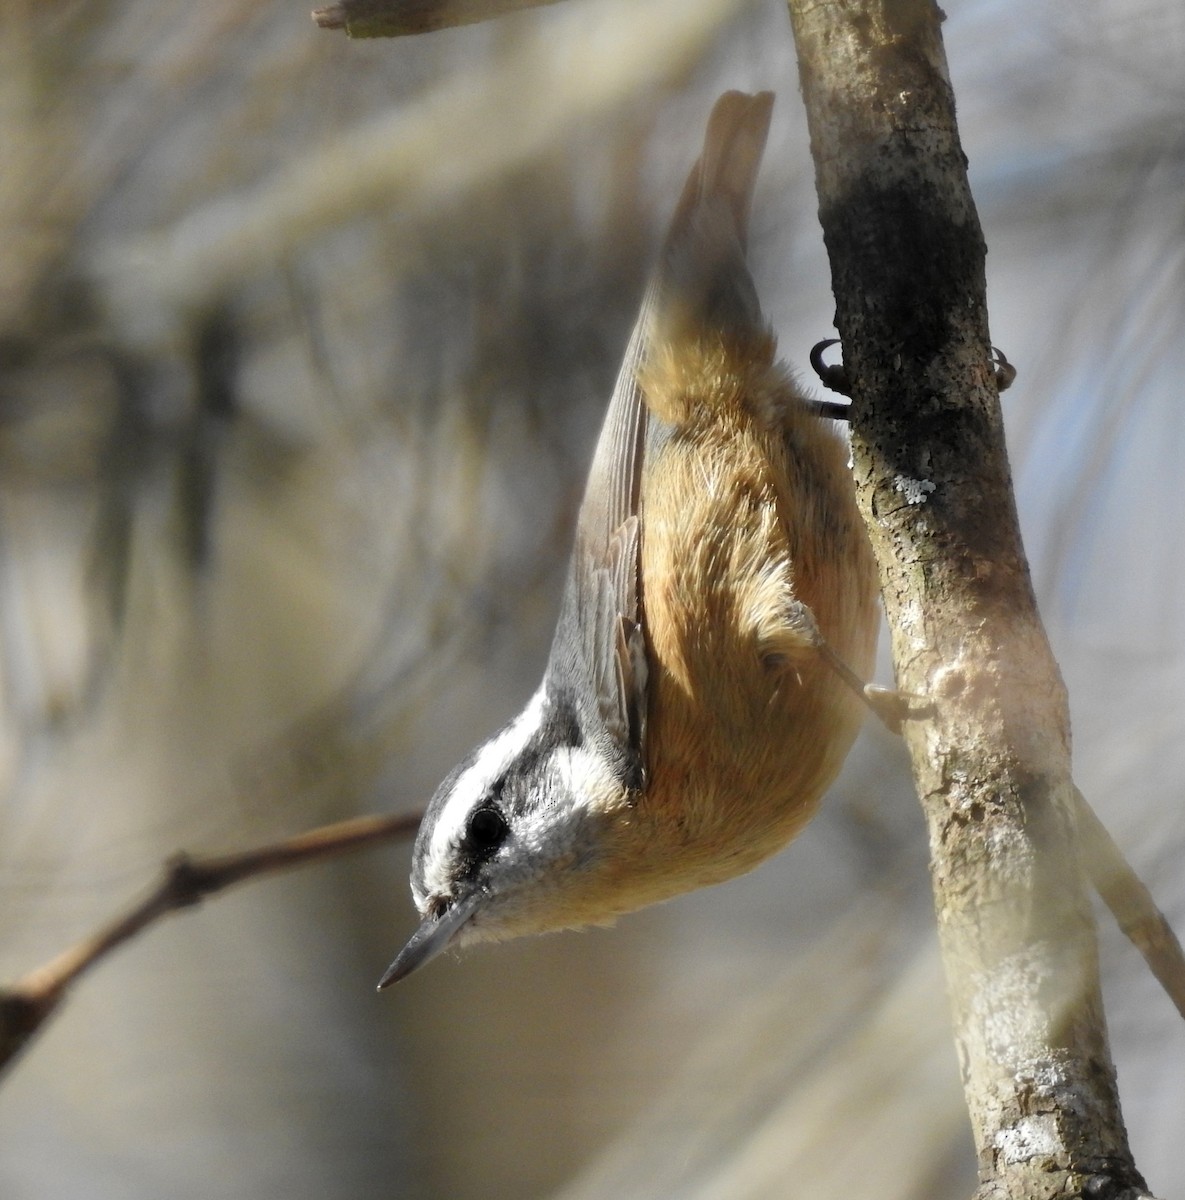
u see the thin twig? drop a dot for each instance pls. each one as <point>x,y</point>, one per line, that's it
<point>184,882</point>
<point>1131,903</point>
<point>400,18</point>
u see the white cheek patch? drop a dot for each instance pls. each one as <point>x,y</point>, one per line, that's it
<point>468,790</point>
<point>587,780</point>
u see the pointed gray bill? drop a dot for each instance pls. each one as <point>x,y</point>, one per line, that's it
<point>434,935</point>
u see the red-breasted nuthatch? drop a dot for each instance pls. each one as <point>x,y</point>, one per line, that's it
<point>720,603</point>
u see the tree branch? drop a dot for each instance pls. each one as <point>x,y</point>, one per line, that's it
<point>184,882</point>
<point>399,18</point>
<point>992,762</point>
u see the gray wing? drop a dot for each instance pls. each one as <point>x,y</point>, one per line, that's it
<point>600,649</point>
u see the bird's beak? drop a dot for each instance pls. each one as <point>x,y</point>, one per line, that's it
<point>433,936</point>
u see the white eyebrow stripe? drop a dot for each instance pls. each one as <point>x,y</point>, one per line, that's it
<point>472,784</point>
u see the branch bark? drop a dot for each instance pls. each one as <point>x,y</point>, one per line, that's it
<point>991,759</point>
<point>185,881</point>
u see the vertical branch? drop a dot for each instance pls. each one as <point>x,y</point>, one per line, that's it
<point>991,757</point>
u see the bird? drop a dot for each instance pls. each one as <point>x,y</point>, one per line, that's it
<point>719,614</point>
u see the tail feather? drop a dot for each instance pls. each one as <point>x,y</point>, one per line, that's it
<point>733,146</point>
<point>704,281</point>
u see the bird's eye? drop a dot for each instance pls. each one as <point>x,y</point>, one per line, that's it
<point>486,831</point>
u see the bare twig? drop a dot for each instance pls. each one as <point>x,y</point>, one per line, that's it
<point>399,18</point>
<point>1131,904</point>
<point>184,883</point>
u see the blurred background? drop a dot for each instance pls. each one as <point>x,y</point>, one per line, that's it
<point>304,344</point>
